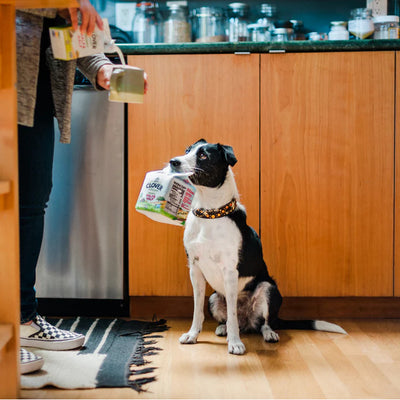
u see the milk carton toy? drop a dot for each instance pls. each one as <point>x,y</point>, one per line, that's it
<point>68,44</point>
<point>166,197</point>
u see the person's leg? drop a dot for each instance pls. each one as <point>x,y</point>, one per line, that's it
<point>36,147</point>
<point>35,162</point>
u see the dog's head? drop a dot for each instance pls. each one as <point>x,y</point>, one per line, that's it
<point>206,163</point>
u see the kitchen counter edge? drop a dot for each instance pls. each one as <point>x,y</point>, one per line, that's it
<point>261,47</point>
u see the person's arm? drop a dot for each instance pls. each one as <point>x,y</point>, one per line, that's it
<point>97,69</point>
<point>41,12</point>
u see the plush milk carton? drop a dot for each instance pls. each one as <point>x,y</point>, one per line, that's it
<point>68,44</point>
<point>166,197</point>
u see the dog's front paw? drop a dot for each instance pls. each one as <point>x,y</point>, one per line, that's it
<point>270,336</point>
<point>188,338</point>
<point>221,330</point>
<point>236,347</point>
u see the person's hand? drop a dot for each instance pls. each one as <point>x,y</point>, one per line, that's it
<point>90,17</point>
<point>104,76</point>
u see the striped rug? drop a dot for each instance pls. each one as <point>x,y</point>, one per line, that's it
<point>114,355</point>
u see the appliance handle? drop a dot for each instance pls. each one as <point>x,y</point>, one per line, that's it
<point>84,87</point>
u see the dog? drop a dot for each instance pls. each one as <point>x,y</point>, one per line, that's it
<point>227,253</point>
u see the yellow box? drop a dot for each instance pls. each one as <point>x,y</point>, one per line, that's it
<point>68,44</point>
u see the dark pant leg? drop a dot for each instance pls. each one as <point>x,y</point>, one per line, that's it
<point>36,147</point>
<point>35,161</point>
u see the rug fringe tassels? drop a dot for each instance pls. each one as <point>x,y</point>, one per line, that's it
<point>143,348</point>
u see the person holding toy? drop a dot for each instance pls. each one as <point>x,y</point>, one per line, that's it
<point>45,87</point>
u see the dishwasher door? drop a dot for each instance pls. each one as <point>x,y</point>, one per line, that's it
<point>82,255</point>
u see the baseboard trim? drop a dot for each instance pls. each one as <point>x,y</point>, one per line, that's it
<point>83,307</point>
<point>293,307</point>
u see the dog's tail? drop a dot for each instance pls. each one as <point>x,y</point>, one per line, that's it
<point>311,324</point>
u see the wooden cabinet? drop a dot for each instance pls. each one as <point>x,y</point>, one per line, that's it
<point>9,243</point>
<point>327,172</point>
<point>324,132</point>
<point>397,184</point>
<point>190,97</point>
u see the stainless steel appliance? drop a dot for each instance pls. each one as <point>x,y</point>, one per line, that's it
<point>82,263</point>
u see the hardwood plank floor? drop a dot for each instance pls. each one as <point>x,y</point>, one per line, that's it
<point>363,364</point>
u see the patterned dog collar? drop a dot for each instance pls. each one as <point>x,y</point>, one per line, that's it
<point>213,213</point>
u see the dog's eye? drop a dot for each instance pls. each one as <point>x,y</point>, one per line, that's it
<point>202,156</point>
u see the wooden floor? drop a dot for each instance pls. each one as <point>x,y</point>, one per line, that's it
<point>363,364</point>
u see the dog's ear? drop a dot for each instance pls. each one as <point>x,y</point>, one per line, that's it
<point>190,147</point>
<point>228,153</point>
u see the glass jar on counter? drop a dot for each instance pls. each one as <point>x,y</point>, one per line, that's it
<point>238,14</point>
<point>361,24</point>
<point>176,26</point>
<point>298,30</point>
<point>282,34</point>
<point>338,31</point>
<point>147,23</point>
<point>208,25</point>
<point>316,36</point>
<point>258,33</point>
<point>267,14</point>
<point>386,27</point>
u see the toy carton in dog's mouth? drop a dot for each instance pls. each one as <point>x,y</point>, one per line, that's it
<point>165,197</point>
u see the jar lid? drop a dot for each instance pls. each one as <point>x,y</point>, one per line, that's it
<point>296,22</point>
<point>314,36</point>
<point>278,31</point>
<point>256,26</point>
<point>207,12</point>
<point>238,5</point>
<point>386,18</point>
<point>339,23</point>
<point>176,6</point>
<point>361,12</point>
<point>145,4</point>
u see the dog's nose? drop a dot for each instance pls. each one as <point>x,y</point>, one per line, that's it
<point>175,163</point>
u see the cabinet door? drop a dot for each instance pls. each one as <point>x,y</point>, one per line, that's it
<point>9,223</point>
<point>215,97</point>
<point>397,187</point>
<point>327,151</point>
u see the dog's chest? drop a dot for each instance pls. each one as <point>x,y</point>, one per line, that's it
<point>212,245</point>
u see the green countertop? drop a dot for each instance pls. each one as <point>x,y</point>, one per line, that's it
<point>259,47</point>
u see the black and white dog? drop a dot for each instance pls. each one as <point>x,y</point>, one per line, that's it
<point>224,251</point>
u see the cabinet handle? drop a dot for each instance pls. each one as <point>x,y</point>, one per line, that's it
<point>6,333</point>
<point>5,187</point>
